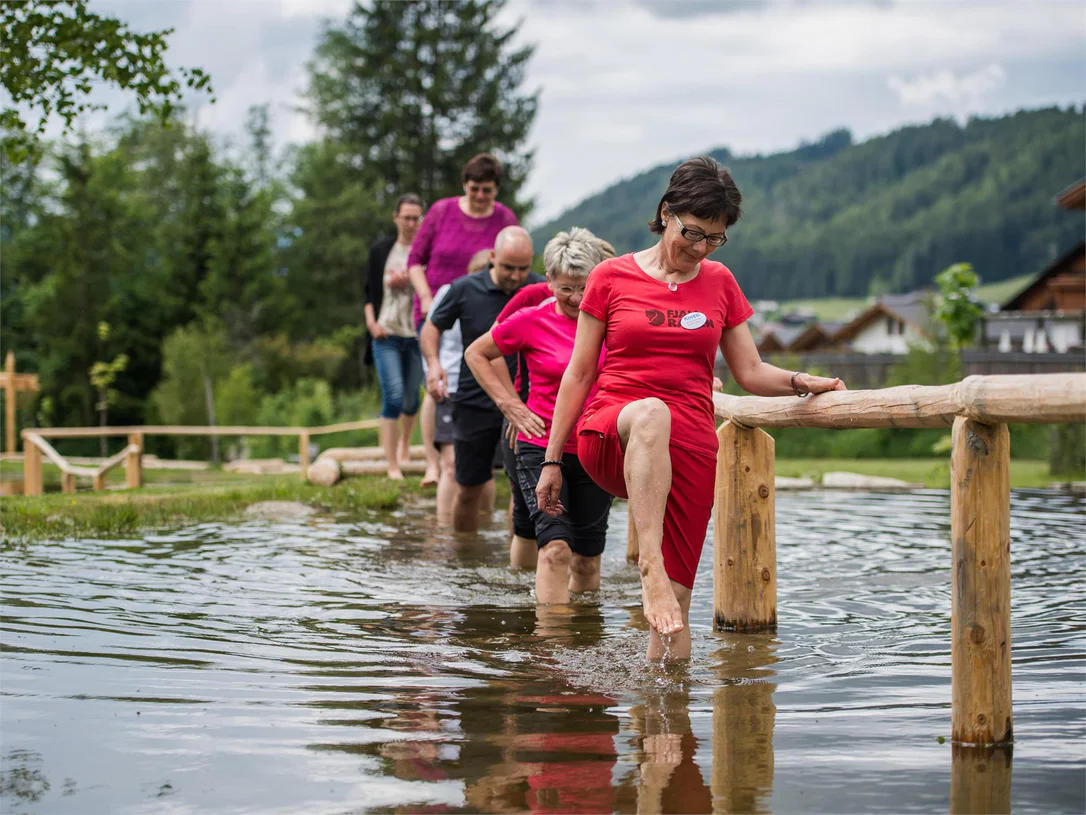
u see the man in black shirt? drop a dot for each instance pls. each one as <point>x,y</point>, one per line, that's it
<point>476,300</point>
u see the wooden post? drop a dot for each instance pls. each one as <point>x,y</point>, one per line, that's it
<point>99,483</point>
<point>744,543</point>
<point>981,589</point>
<point>633,550</point>
<point>133,463</point>
<point>980,780</point>
<point>32,476</point>
<point>303,454</point>
<point>9,402</point>
<point>67,482</point>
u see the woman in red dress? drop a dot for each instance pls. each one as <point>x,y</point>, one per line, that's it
<point>649,433</point>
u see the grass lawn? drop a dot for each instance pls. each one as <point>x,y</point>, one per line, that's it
<point>177,497</point>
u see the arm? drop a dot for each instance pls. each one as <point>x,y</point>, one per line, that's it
<point>419,257</point>
<point>374,292</point>
<point>377,331</point>
<point>437,381</point>
<point>488,365</point>
<point>761,378</point>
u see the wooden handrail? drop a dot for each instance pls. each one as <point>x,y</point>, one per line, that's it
<point>62,463</point>
<point>194,430</point>
<point>116,460</point>
<point>1035,398</point>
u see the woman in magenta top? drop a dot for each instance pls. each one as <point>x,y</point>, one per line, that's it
<point>455,229</point>
<point>570,544</point>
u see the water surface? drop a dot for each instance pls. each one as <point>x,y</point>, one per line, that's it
<point>380,666</point>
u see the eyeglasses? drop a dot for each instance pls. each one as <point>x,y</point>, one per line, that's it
<point>695,235</point>
<point>569,291</point>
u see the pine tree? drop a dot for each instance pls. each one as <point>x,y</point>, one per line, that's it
<point>415,89</point>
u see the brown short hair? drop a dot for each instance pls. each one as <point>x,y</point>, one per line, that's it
<point>482,168</point>
<point>408,198</point>
<point>702,188</point>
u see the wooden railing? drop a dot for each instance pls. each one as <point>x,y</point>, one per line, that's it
<point>35,446</point>
<point>977,409</point>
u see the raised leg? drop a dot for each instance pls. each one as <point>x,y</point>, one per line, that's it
<point>644,428</point>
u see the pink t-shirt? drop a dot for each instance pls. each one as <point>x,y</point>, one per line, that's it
<point>448,239</point>
<point>544,339</point>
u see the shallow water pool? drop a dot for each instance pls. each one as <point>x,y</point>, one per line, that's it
<point>377,665</point>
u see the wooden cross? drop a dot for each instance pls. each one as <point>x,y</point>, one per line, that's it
<point>13,382</point>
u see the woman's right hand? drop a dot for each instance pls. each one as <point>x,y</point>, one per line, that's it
<point>548,491</point>
<point>377,331</point>
<point>523,419</point>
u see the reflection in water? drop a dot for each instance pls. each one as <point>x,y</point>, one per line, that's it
<point>980,780</point>
<point>377,666</point>
<point>743,719</point>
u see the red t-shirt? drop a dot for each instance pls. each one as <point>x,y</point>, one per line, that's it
<point>527,297</point>
<point>544,339</point>
<point>663,343</point>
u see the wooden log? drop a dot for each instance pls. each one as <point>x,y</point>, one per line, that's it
<point>324,471</point>
<point>379,467</point>
<point>303,454</point>
<point>133,462</point>
<point>67,482</point>
<point>980,780</point>
<point>32,474</point>
<point>367,453</point>
<point>981,589</point>
<point>744,543</point>
<point>744,717</point>
<point>990,399</point>
<point>99,482</point>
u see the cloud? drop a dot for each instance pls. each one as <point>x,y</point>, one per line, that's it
<point>945,86</point>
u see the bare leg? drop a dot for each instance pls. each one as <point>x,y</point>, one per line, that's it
<point>676,646</point>
<point>584,574</point>
<point>446,484</point>
<point>552,573</point>
<point>523,553</point>
<point>644,428</point>
<point>427,420</point>
<point>390,431</point>
<point>466,507</point>
<point>408,427</point>
<point>486,500</point>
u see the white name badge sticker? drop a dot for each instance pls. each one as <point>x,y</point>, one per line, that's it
<point>695,319</point>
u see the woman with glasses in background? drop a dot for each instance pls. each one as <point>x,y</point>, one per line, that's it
<point>395,347</point>
<point>569,545</point>
<point>649,432</point>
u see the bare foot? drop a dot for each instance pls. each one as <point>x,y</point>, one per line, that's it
<point>395,475</point>
<point>658,599</point>
<point>429,479</point>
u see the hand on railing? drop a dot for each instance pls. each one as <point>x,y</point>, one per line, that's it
<point>817,384</point>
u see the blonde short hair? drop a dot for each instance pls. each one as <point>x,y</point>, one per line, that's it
<point>479,261</point>
<point>574,253</point>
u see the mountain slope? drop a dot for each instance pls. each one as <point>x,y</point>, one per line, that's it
<point>841,219</point>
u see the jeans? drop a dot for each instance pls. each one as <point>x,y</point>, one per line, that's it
<point>399,370</point>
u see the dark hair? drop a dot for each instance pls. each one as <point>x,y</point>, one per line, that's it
<point>408,198</point>
<point>702,188</point>
<point>482,168</point>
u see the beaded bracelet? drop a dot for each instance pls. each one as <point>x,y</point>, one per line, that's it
<point>553,464</point>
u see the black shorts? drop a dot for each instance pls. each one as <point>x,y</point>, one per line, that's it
<point>584,523</point>
<point>522,516</point>
<point>476,435</point>
<point>443,423</point>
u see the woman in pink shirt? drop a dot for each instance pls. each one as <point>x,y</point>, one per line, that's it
<point>455,229</point>
<point>570,544</point>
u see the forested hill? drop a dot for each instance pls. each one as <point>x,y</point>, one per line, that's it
<point>842,219</point>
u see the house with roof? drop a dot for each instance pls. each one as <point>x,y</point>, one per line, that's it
<point>1049,314</point>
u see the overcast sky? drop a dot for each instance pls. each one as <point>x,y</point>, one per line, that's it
<point>628,84</point>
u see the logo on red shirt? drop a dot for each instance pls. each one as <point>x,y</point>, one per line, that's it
<point>672,317</point>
